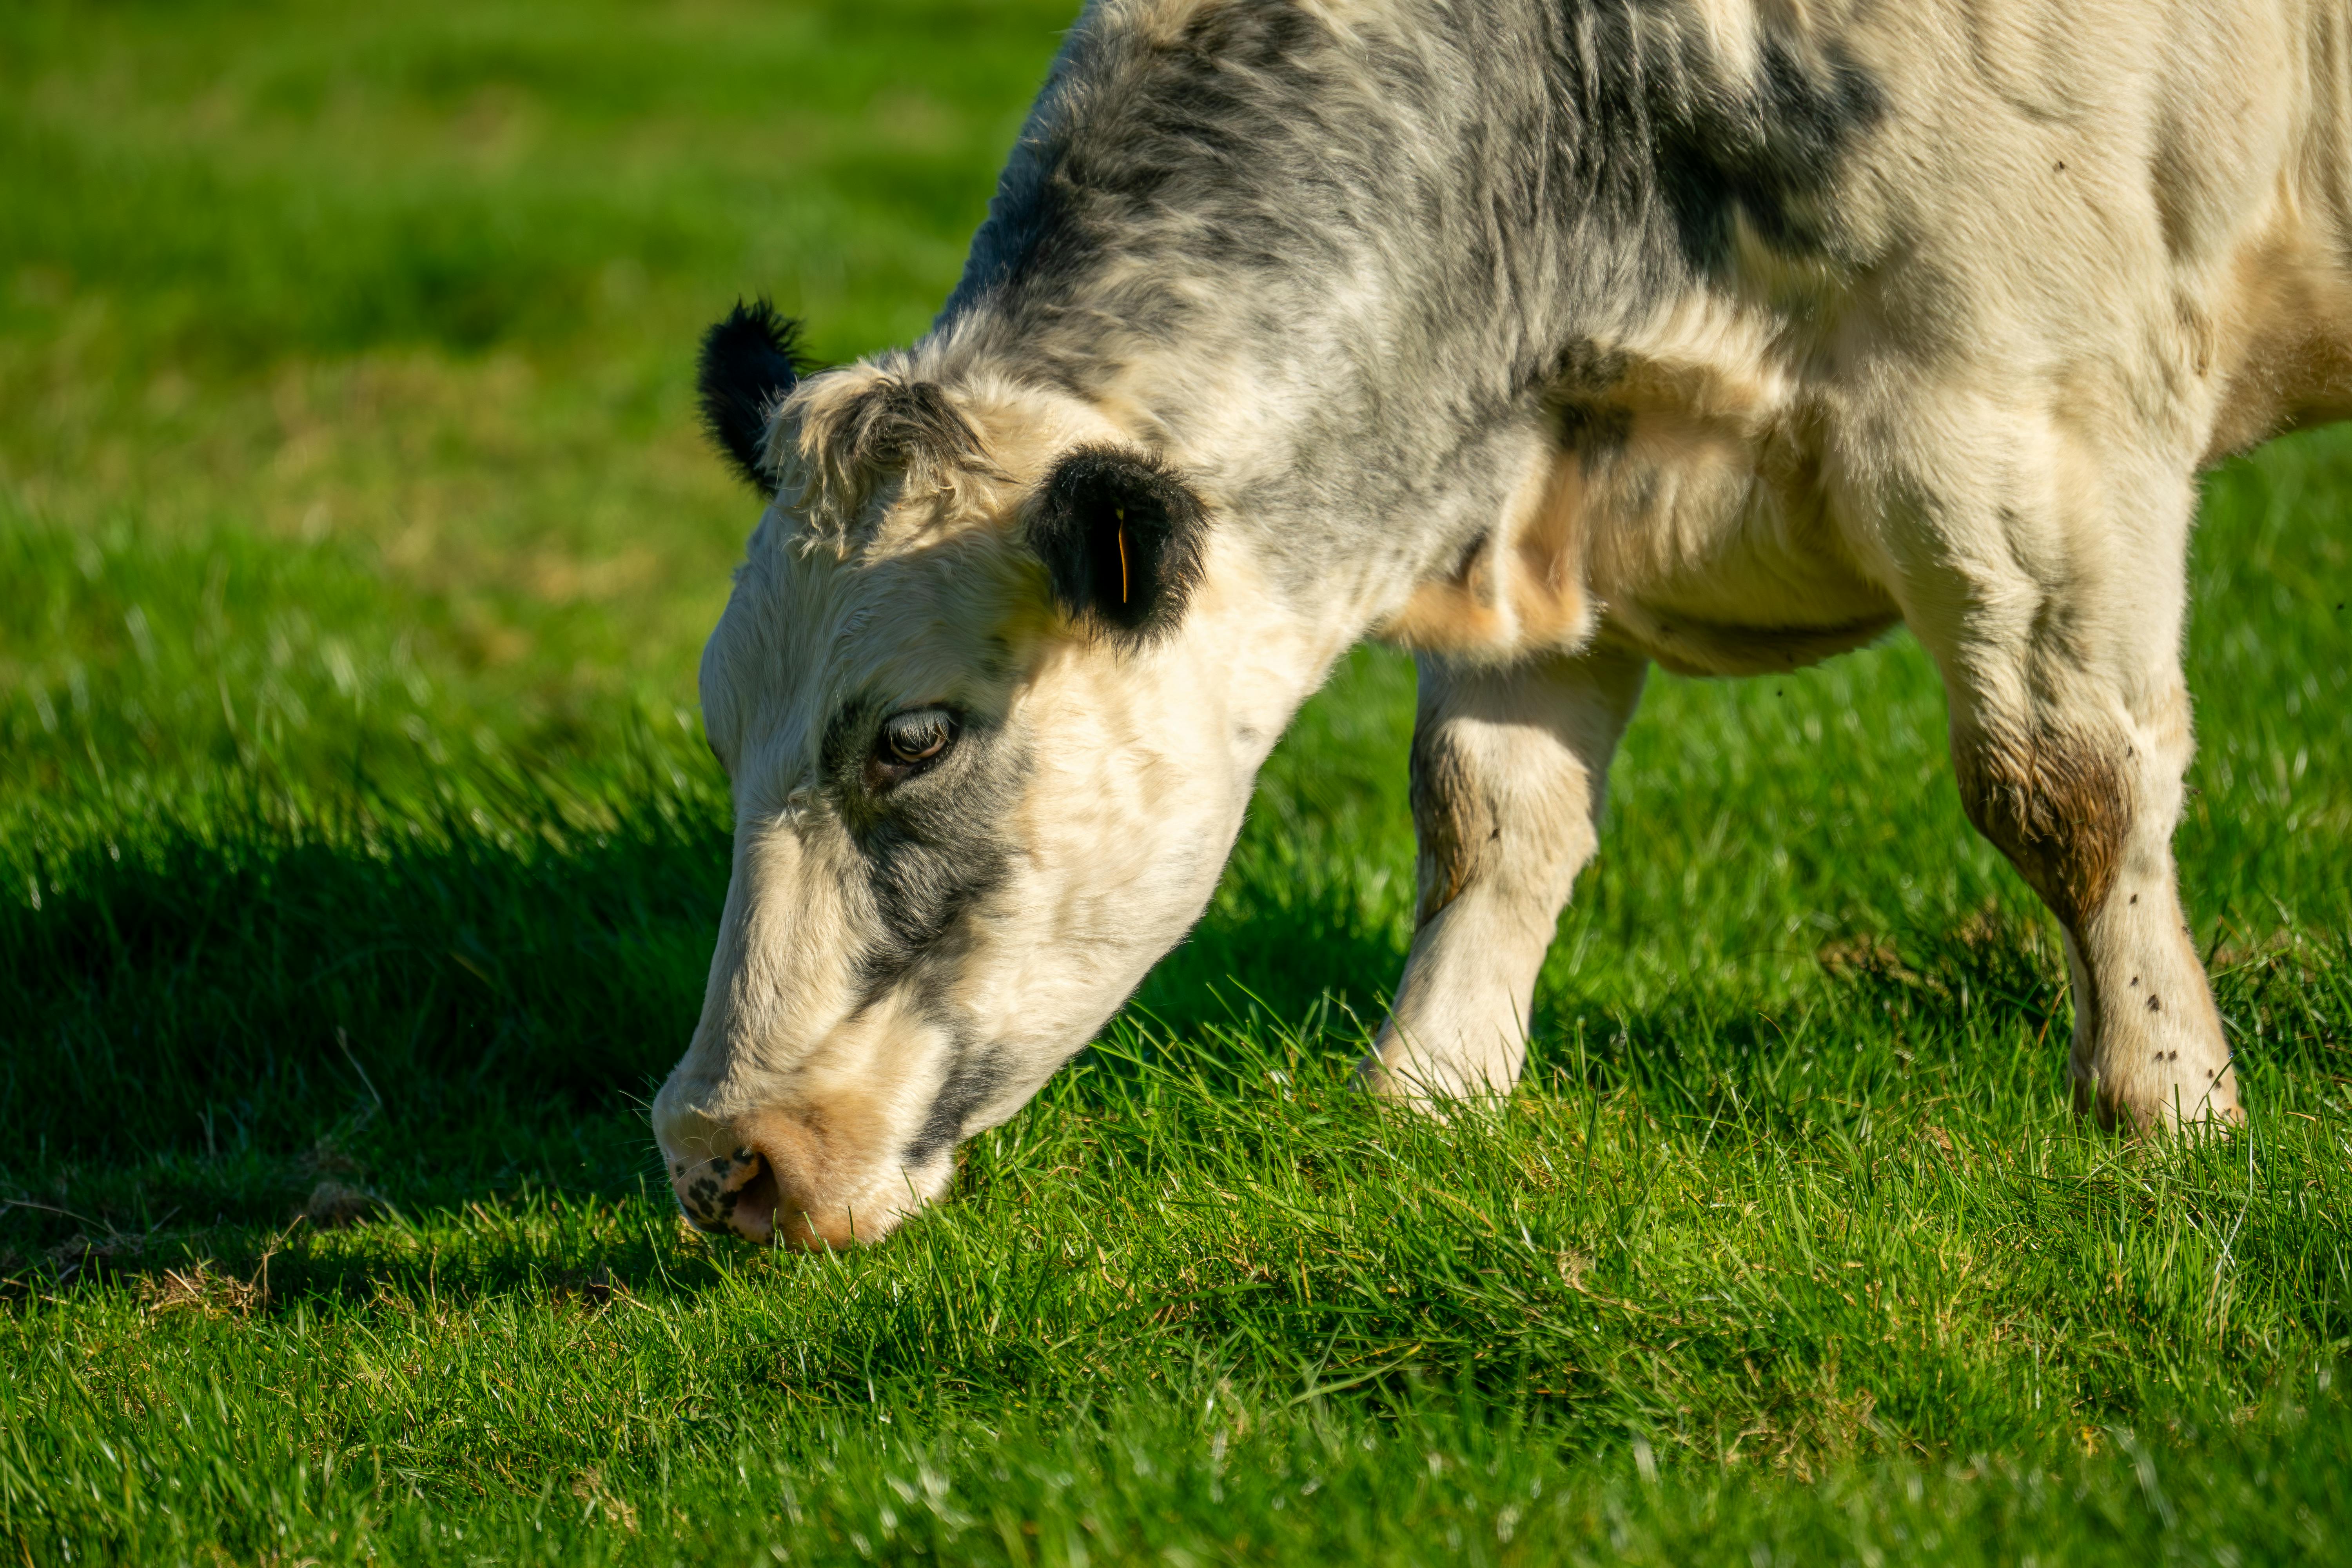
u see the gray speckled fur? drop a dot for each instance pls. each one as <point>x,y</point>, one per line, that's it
<point>1503,182</point>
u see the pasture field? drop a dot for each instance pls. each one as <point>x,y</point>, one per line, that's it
<point>360,860</point>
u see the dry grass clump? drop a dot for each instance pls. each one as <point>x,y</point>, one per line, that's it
<point>200,1289</point>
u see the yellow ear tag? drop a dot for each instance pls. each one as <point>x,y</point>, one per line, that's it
<point>1120,513</point>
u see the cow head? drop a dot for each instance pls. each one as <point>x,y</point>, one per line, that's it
<point>991,690</point>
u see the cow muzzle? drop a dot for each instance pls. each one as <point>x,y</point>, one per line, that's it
<point>773,1178</point>
<point>735,1193</point>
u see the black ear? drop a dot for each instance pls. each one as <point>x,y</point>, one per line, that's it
<point>1123,537</point>
<point>750,362</point>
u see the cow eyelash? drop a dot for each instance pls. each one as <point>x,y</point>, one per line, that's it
<point>913,739</point>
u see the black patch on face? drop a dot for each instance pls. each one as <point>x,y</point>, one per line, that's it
<point>750,362</point>
<point>1122,538</point>
<point>923,886</point>
<point>971,1082</point>
<point>934,847</point>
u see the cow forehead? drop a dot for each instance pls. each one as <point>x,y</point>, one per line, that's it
<point>950,619</point>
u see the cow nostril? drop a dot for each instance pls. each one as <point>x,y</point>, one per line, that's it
<point>756,1202</point>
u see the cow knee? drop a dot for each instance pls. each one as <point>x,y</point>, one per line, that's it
<point>1454,819</point>
<point>2058,801</point>
<point>1502,810</point>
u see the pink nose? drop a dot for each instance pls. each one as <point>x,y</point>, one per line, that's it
<point>734,1194</point>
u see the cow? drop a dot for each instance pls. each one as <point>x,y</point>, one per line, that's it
<point>1549,340</point>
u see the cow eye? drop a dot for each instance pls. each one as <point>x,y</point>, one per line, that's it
<point>911,738</point>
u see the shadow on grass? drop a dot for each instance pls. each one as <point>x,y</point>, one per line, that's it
<point>212,1020</point>
<point>245,984</point>
<point>213,1023</point>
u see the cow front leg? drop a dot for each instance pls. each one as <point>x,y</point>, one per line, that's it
<point>1509,767</point>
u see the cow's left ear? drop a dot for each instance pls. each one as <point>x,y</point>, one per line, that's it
<point>1123,537</point>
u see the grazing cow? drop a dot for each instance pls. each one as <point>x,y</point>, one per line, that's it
<point>1548,338</point>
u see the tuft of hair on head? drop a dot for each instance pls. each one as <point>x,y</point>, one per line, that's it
<point>1123,539</point>
<point>865,433</point>
<point>749,363</point>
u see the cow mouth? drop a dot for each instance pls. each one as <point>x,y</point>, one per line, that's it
<point>755,1192</point>
<point>757,1202</point>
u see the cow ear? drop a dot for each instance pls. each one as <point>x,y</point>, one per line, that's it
<point>1123,537</point>
<point>749,363</point>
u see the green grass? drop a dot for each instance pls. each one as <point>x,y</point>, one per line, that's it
<point>360,860</point>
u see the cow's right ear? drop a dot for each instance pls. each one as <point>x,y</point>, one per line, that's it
<point>1123,537</point>
<point>749,363</point>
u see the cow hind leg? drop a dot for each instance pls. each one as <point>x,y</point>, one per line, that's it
<point>2070,737</point>
<point>2085,806</point>
<point>1508,772</point>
